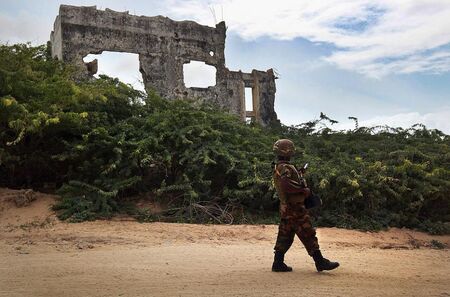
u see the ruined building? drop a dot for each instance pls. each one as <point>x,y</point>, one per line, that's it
<point>164,46</point>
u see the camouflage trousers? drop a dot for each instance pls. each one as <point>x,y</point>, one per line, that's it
<point>296,220</point>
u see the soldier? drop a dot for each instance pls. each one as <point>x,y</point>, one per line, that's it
<point>295,219</point>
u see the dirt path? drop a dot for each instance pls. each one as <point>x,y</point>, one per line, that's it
<point>40,256</point>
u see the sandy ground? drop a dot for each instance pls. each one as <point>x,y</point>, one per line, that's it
<point>41,256</point>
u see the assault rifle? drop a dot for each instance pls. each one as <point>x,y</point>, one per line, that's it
<point>313,200</point>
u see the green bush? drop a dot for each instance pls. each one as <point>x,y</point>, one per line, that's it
<point>101,142</point>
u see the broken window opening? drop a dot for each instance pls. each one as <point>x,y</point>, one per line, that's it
<point>197,74</point>
<point>248,99</point>
<point>124,66</point>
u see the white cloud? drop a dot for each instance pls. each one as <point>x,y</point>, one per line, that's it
<point>24,28</point>
<point>374,37</point>
<point>433,120</point>
<point>125,66</point>
<point>198,74</point>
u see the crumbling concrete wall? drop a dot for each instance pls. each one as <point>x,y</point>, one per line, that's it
<point>164,46</point>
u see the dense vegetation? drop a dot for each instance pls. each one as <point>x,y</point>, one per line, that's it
<point>101,144</point>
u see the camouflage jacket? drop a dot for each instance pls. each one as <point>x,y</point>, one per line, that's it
<point>289,183</point>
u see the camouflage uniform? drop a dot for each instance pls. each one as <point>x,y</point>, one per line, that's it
<point>292,191</point>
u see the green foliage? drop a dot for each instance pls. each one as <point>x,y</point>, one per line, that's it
<point>82,201</point>
<point>379,177</point>
<point>101,142</point>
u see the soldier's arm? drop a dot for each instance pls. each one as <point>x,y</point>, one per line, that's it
<point>289,184</point>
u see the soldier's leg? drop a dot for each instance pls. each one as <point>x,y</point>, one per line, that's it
<point>286,233</point>
<point>307,234</point>
<point>285,238</point>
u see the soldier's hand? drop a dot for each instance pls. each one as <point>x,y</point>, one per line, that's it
<point>307,192</point>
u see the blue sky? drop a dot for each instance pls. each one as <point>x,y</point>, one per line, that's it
<point>384,62</point>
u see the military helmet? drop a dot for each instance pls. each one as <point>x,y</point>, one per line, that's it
<point>284,148</point>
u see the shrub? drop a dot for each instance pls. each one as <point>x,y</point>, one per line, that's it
<point>100,142</point>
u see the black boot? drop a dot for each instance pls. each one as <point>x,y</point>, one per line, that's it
<point>278,263</point>
<point>322,263</point>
